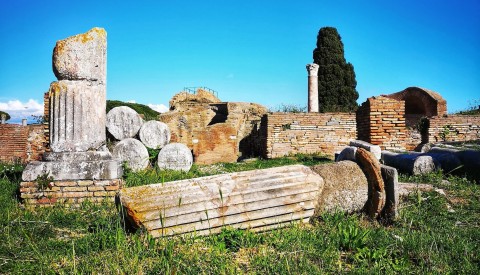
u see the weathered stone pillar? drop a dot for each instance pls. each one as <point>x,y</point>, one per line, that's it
<point>80,166</point>
<point>312,88</point>
<point>4,118</point>
<point>78,99</point>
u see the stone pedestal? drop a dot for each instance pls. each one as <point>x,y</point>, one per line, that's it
<point>313,106</point>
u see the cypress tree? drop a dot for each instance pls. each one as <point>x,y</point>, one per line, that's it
<point>336,77</point>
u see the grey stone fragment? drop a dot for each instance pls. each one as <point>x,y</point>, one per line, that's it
<point>77,156</point>
<point>175,156</point>
<point>390,179</point>
<point>345,187</point>
<point>154,134</point>
<point>375,149</point>
<point>123,122</point>
<point>82,57</point>
<point>348,153</point>
<point>78,170</point>
<point>409,163</point>
<point>77,116</point>
<point>133,152</point>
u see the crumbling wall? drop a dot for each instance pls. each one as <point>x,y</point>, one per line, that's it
<point>421,101</point>
<point>215,131</point>
<point>21,143</point>
<point>454,128</point>
<point>292,133</point>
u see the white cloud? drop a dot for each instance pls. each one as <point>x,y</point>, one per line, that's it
<point>158,107</point>
<point>18,110</point>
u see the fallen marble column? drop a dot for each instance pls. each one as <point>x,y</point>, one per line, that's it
<point>154,134</point>
<point>123,122</point>
<point>409,163</point>
<point>257,200</point>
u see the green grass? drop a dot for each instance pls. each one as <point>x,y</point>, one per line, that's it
<point>427,238</point>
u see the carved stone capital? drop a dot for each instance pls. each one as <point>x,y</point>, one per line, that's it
<point>312,69</point>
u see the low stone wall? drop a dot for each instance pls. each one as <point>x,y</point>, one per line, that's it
<point>70,192</point>
<point>292,133</point>
<point>454,128</point>
<point>21,143</point>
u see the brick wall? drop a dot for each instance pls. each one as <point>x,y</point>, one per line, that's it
<point>24,143</point>
<point>70,192</point>
<point>381,121</point>
<point>454,128</point>
<point>292,133</point>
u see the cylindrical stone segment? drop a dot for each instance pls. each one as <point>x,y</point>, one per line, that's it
<point>313,104</point>
<point>133,152</point>
<point>77,116</point>
<point>175,156</point>
<point>82,57</point>
<point>154,134</point>
<point>123,122</point>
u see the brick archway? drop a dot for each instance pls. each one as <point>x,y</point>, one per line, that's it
<point>420,101</point>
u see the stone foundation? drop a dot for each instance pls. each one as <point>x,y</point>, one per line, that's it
<point>70,192</point>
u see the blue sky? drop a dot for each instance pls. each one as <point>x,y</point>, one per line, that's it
<point>252,51</point>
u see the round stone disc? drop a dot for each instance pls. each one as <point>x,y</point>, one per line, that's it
<point>133,152</point>
<point>154,134</point>
<point>175,156</point>
<point>123,122</point>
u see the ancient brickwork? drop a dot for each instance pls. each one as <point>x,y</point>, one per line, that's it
<point>454,128</point>
<point>214,131</point>
<point>381,121</point>
<point>69,192</point>
<point>21,143</point>
<point>292,133</point>
<point>421,101</point>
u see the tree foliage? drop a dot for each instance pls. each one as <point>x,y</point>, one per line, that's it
<point>336,78</point>
<point>147,112</point>
<point>5,113</point>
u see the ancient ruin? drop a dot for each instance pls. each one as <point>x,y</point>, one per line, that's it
<point>215,131</point>
<point>79,166</point>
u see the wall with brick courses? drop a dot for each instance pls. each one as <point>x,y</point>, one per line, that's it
<point>292,133</point>
<point>460,128</point>
<point>21,143</point>
<point>70,192</point>
<point>381,121</point>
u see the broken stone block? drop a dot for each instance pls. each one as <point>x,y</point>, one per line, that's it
<point>154,134</point>
<point>77,116</point>
<point>390,178</point>
<point>73,170</point>
<point>123,122</point>
<point>345,187</point>
<point>133,152</point>
<point>348,153</point>
<point>82,57</point>
<point>374,149</point>
<point>376,192</point>
<point>409,163</point>
<point>175,156</point>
